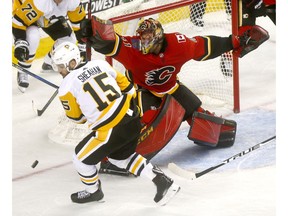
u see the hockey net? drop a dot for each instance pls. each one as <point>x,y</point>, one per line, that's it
<point>211,81</point>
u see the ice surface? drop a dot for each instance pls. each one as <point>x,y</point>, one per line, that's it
<point>246,186</point>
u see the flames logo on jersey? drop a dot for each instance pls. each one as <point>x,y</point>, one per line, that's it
<point>159,76</point>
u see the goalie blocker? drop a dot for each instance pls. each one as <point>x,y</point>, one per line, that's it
<point>209,130</point>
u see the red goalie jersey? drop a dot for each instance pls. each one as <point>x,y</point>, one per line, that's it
<point>158,73</point>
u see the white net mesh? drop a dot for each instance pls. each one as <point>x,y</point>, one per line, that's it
<point>67,132</point>
<point>210,80</point>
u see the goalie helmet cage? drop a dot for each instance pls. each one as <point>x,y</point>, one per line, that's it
<point>216,81</point>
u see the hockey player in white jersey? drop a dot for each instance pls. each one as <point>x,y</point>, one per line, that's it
<point>95,92</point>
<point>50,15</point>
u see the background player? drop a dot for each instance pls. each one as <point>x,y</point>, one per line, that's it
<point>95,92</point>
<point>251,9</point>
<point>50,15</point>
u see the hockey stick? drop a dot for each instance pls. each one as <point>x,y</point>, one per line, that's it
<point>34,75</point>
<point>190,175</point>
<point>41,111</point>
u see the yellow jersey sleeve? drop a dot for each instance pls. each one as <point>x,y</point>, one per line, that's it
<point>25,14</point>
<point>76,17</point>
<point>16,4</point>
<point>124,84</point>
<point>72,108</point>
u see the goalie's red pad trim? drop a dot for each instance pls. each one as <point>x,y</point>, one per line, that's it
<point>157,134</point>
<point>205,129</point>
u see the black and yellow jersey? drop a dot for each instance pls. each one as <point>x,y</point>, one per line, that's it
<point>94,92</point>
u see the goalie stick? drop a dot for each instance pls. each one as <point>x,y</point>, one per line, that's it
<point>190,175</point>
<point>39,111</point>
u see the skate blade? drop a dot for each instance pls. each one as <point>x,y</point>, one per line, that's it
<point>64,201</point>
<point>48,71</point>
<point>172,191</point>
<point>22,89</point>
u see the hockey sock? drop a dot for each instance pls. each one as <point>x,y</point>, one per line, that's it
<point>135,163</point>
<point>88,174</point>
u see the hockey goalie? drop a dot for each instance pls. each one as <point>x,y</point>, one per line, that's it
<point>152,60</point>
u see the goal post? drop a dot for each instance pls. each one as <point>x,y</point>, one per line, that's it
<point>236,86</point>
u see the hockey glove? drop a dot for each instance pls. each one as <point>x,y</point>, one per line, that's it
<point>250,10</point>
<point>103,29</point>
<point>254,4</point>
<point>21,50</point>
<point>58,27</point>
<point>86,29</point>
<point>100,33</point>
<point>249,39</point>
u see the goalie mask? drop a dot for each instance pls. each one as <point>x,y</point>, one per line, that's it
<point>63,54</point>
<point>151,35</point>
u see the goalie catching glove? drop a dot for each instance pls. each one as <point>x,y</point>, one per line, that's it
<point>249,38</point>
<point>95,30</point>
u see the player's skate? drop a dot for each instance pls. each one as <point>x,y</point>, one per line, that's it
<point>109,168</point>
<point>47,68</point>
<point>22,80</point>
<point>85,197</point>
<point>166,188</point>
